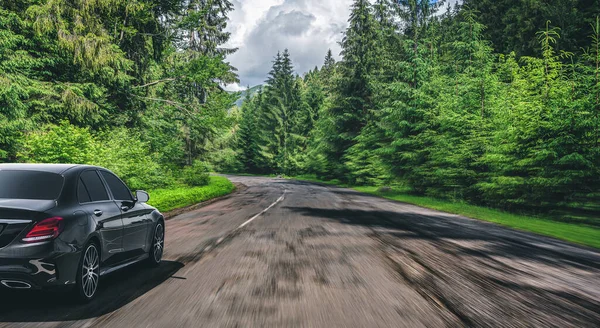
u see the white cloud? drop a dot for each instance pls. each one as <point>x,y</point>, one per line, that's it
<point>261,28</point>
<point>308,28</point>
<point>235,87</point>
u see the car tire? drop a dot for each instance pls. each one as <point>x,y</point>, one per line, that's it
<point>158,244</point>
<point>88,273</point>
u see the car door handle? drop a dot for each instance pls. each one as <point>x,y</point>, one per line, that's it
<point>98,212</point>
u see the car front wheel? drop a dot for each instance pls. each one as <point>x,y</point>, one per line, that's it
<point>158,244</point>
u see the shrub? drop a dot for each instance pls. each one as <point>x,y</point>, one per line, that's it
<point>64,143</point>
<point>119,150</point>
<point>197,174</point>
<point>224,160</point>
<point>123,152</point>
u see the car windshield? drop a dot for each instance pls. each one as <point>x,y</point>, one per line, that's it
<point>30,185</point>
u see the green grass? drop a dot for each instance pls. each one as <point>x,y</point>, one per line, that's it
<point>575,233</point>
<point>181,196</point>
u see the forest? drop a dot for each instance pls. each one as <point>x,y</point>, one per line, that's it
<point>489,102</point>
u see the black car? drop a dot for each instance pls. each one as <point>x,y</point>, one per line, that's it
<point>67,225</point>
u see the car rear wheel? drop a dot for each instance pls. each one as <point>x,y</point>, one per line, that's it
<point>158,244</point>
<point>88,273</point>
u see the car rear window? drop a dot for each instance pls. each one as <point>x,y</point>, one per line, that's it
<point>30,184</point>
<point>94,186</point>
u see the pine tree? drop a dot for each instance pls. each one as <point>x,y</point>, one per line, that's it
<point>329,63</point>
<point>351,104</point>
<point>247,140</point>
<point>405,105</point>
<point>328,70</point>
<point>205,26</point>
<point>280,113</point>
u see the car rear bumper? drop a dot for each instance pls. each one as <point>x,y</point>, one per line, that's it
<point>39,270</point>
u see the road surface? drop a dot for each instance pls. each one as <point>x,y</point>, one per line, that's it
<point>281,253</point>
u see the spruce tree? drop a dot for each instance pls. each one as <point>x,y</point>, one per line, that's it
<point>205,26</point>
<point>352,100</point>
<point>247,140</point>
<point>280,113</point>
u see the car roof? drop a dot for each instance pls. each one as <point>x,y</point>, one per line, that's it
<point>53,168</point>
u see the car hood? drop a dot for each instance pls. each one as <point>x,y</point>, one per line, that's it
<point>27,204</point>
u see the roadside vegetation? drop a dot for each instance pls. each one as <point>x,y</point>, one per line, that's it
<point>182,196</point>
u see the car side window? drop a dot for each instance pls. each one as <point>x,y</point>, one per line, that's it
<point>95,187</point>
<point>117,187</point>
<point>82,194</point>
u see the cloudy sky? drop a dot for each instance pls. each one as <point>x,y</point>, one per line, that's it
<point>307,28</point>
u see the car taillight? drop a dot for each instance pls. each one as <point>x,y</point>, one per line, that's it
<point>45,230</point>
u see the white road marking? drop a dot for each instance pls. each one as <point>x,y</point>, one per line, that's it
<point>264,211</point>
<point>220,240</point>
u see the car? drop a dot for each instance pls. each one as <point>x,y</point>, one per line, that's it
<point>65,225</point>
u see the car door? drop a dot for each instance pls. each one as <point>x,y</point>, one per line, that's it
<point>95,200</point>
<point>133,215</point>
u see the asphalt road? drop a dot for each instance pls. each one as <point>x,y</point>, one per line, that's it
<point>281,253</point>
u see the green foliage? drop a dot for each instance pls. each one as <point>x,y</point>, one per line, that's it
<point>196,174</point>
<point>119,150</point>
<point>62,143</point>
<point>273,125</point>
<point>178,197</point>
<point>225,160</point>
<point>352,97</point>
<point>124,152</point>
<point>417,97</point>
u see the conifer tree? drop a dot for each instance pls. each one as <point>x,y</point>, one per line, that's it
<point>205,26</point>
<point>352,101</point>
<point>247,140</point>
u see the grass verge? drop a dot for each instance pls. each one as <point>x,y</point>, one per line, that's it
<point>575,233</point>
<point>181,196</point>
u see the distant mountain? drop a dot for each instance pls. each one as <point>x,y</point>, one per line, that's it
<point>253,91</point>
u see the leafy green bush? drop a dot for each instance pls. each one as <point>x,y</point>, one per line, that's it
<point>64,143</point>
<point>224,160</point>
<point>122,151</point>
<point>197,174</point>
<point>119,150</point>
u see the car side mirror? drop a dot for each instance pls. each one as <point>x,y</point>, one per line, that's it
<point>142,196</point>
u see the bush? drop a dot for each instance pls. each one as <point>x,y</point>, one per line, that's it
<point>119,150</point>
<point>224,160</point>
<point>64,143</point>
<point>197,174</point>
<point>123,152</point>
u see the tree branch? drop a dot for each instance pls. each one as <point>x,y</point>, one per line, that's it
<point>177,105</point>
<point>156,82</point>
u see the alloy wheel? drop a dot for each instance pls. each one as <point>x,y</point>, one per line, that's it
<point>90,271</point>
<point>158,242</point>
